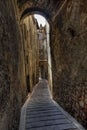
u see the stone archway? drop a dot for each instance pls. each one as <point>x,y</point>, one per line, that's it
<point>69,56</point>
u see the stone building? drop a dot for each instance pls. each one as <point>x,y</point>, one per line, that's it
<point>43,70</point>
<point>29,28</point>
<point>19,60</point>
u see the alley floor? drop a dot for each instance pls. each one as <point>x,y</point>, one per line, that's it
<point>41,112</point>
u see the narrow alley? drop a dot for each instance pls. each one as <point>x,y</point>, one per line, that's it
<point>43,64</point>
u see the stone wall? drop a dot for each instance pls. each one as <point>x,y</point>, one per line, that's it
<point>13,68</point>
<point>10,93</point>
<point>69,59</point>
<point>31,49</point>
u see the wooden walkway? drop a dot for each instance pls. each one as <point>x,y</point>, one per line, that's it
<point>41,112</point>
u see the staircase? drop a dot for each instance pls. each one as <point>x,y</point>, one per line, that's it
<point>41,112</point>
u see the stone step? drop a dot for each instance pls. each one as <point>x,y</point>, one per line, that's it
<point>42,113</point>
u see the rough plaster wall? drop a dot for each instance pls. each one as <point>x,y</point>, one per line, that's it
<point>10,94</point>
<point>69,60</point>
